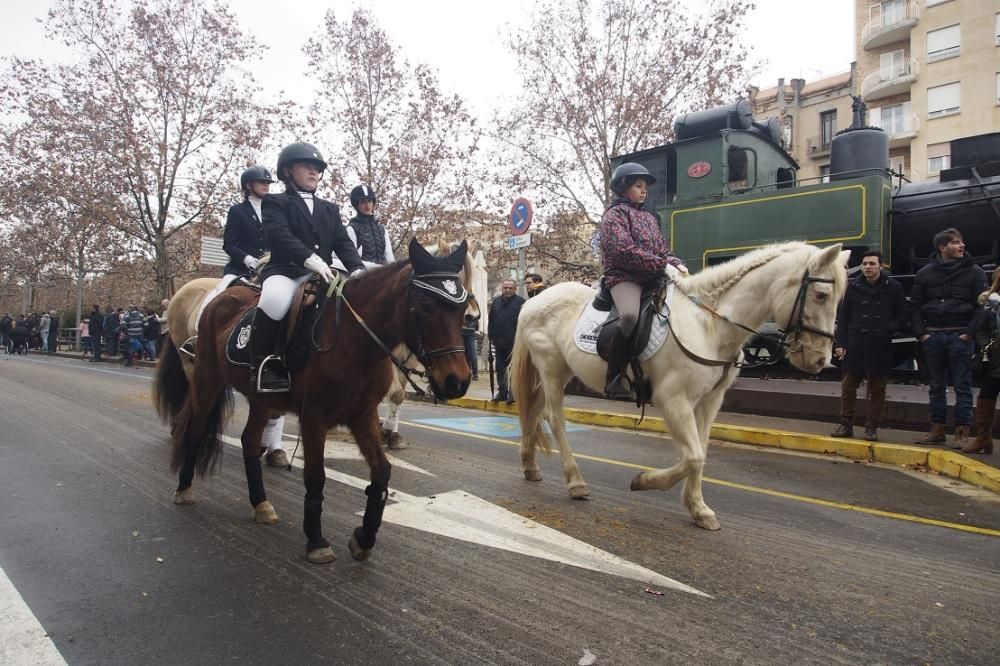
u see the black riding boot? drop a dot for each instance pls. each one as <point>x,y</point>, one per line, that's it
<point>269,372</point>
<point>617,386</point>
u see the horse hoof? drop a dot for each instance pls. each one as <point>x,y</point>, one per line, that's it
<point>710,523</point>
<point>183,497</point>
<point>579,492</point>
<point>276,458</point>
<point>264,514</point>
<point>532,475</point>
<point>321,555</point>
<point>637,483</point>
<point>357,552</point>
<point>395,443</point>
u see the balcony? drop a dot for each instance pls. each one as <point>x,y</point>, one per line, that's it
<point>892,26</point>
<point>901,130</point>
<point>889,81</point>
<point>816,149</point>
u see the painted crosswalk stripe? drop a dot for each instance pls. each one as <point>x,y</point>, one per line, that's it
<point>22,638</point>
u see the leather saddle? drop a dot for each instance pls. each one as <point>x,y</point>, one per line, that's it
<point>650,303</point>
<point>296,334</point>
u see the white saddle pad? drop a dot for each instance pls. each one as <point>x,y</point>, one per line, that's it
<point>589,325</point>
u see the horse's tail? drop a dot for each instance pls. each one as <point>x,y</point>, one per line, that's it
<point>170,386</point>
<point>526,384</point>
<point>196,436</point>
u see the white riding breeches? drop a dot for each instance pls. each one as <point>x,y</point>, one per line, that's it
<point>272,434</point>
<point>219,288</point>
<point>276,295</point>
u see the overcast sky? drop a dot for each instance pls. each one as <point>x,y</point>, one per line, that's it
<point>463,41</point>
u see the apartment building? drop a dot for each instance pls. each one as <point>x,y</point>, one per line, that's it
<point>929,71</point>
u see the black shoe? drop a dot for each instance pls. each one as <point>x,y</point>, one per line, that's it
<point>618,389</point>
<point>871,434</point>
<point>843,430</point>
<point>272,376</point>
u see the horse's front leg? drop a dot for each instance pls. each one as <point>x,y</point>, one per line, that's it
<point>684,430</point>
<point>263,512</point>
<point>313,433</point>
<point>365,431</point>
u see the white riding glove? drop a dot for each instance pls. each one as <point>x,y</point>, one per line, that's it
<point>357,271</point>
<point>250,262</point>
<point>319,267</point>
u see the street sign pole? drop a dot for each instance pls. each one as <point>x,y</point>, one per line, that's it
<point>521,270</point>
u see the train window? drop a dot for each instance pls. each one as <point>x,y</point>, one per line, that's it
<point>786,177</point>
<point>742,168</point>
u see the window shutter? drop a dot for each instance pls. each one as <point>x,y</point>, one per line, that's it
<point>944,42</point>
<point>941,99</point>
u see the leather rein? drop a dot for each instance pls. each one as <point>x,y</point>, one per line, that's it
<point>787,339</point>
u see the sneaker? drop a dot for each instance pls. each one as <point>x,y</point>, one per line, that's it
<point>871,434</point>
<point>843,430</point>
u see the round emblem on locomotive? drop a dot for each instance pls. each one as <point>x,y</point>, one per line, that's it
<point>699,169</point>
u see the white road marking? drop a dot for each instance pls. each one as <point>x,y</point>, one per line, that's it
<point>349,451</point>
<point>22,638</point>
<point>465,517</point>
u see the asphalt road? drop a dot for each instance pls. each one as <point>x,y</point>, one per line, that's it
<point>818,560</point>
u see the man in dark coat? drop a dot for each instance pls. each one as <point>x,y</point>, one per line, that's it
<point>504,310</point>
<point>873,308</point>
<point>533,284</point>
<point>944,301</point>
<point>304,232</point>
<point>110,330</point>
<point>95,324</point>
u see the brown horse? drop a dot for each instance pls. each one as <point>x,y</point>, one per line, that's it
<point>418,302</point>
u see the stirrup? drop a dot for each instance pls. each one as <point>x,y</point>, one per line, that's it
<point>188,346</point>
<point>275,384</point>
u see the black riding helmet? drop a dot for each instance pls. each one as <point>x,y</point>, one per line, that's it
<point>298,152</point>
<point>626,174</point>
<point>255,173</point>
<point>362,192</point>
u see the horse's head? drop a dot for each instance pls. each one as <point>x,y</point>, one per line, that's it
<point>438,303</point>
<point>808,307</point>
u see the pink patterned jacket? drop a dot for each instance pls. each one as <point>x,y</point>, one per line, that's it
<point>634,249</point>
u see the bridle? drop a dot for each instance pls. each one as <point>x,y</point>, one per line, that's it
<point>424,281</point>
<point>788,338</point>
<point>798,315</point>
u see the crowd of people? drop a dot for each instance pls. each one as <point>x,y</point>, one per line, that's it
<point>131,332</point>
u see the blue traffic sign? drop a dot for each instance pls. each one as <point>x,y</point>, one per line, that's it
<point>521,214</point>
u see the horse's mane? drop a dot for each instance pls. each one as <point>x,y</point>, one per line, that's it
<point>714,281</point>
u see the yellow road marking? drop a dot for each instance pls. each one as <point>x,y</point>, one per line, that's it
<point>985,531</point>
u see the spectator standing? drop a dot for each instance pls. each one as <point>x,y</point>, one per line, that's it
<point>150,333</point>
<point>944,299</point>
<point>873,309</point>
<point>504,310</point>
<point>19,336</point>
<point>986,331</point>
<point>6,324</point>
<point>95,324</point>
<point>470,332</point>
<point>134,322</point>
<point>533,284</point>
<point>110,330</point>
<point>54,322</point>
<point>83,330</point>
<point>43,330</point>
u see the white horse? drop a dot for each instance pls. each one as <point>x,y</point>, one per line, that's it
<point>793,282</point>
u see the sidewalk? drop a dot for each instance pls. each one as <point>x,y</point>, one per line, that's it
<point>771,431</point>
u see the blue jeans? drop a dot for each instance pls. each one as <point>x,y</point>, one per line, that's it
<point>944,352</point>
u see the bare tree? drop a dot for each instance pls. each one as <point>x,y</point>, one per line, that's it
<point>155,89</point>
<point>601,78</point>
<point>398,130</point>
